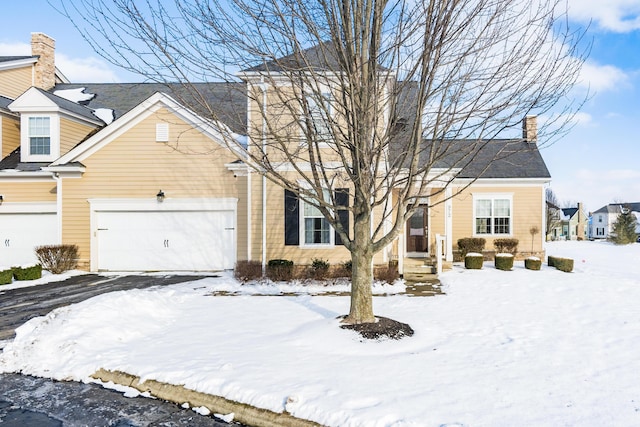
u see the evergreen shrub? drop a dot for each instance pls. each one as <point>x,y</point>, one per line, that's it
<point>533,263</point>
<point>319,268</point>
<point>6,276</point>
<point>31,272</point>
<point>551,261</point>
<point>471,244</point>
<point>473,261</point>
<point>504,261</point>
<point>508,246</point>
<point>280,270</point>
<point>564,264</point>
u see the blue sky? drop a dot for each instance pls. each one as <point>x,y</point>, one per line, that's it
<point>597,163</point>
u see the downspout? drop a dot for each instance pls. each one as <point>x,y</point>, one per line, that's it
<point>58,180</point>
<point>263,88</point>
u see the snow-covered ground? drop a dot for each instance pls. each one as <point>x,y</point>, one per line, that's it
<point>519,348</point>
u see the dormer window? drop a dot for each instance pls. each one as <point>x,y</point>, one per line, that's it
<point>39,136</point>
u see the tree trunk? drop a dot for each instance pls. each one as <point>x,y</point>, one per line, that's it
<point>361,310</point>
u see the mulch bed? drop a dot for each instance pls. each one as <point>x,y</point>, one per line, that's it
<point>384,328</point>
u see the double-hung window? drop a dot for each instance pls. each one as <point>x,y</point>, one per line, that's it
<point>39,136</point>
<point>316,229</point>
<point>492,214</point>
<point>320,113</point>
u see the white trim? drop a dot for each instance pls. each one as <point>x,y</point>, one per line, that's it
<point>492,196</point>
<point>18,63</point>
<point>54,138</point>
<point>12,175</point>
<point>138,114</point>
<point>28,207</point>
<point>503,182</point>
<point>448,225</point>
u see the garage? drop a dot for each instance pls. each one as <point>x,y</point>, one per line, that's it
<point>21,233</point>
<point>174,235</point>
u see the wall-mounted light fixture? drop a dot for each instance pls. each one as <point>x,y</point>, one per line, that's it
<point>1,199</point>
<point>160,196</point>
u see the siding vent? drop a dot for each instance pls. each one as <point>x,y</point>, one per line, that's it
<point>162,132</point>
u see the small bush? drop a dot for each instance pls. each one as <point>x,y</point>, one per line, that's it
<point>6,276</point>
<point>32,272</point>
<point>551,260</point>
<point>280,270</point>
<point>506,246</point>
<point>504,261</point>
<point>319,268</point>
<point>532,263</point>
<point>58,258</point>
<point>388,273</point>
<point>564,264</point>
<point>471,244</point>
<point>245,271</point>
<point>473,261</point>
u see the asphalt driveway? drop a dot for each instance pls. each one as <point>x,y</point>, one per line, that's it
<point>17,306</point>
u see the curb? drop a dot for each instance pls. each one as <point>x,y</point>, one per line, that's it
<point>243,413</point>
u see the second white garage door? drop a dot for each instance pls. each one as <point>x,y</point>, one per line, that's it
<point>168,240</point>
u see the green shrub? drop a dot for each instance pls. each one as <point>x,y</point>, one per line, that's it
<point>532,263</point>
<point>471,244</point>
<point>506,246</point>
<point>280,270</point>
<point>32,272</point>
<point>6,276</point>
<point>551,261</point>
<point>57,258</point>
<point>473,261</point>
<point>564,264</point>
<point>319,268</point>
<point>245,271</point>
<point>504,261</point>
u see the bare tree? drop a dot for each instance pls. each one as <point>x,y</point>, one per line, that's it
<point>553,211</point>
<point>384,98</point>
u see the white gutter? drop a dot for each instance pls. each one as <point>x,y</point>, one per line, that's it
<point>58,179</point>
<point>263,88</point>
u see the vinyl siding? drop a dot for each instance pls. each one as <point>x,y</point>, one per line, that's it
<point>10,135</point>
<point>71,133</point>
<point>23,191</point>
<point>135,166</point>
<point>15,81</point>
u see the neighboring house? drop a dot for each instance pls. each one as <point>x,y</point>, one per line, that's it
<point>139,182</point>
<point>603,219</point>
<point>568,223</point>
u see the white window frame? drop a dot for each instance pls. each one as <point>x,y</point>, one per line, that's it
<point>25,138</point>
<point>302,224</point>
<point>310,99</point>
<point>492,197</point>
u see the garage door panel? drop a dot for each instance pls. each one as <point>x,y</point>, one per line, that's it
<point>21,233</point>
<point>167,240</point>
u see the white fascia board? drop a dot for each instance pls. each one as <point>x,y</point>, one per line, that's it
<point>502,182</point>
<point>66,171</point>
<point>81,119</point>
<point>18,63</point>
<point>238,169</point>
<point>32,101</point>
<point>28,207</point>
<point>143,110</point>
<point>11,175</point>
<point>169,204</point>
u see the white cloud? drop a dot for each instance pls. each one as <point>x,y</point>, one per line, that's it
<point>613,15</point>
<point>77,70</point>
<point>601,78</point>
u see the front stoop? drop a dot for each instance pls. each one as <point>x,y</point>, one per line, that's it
<point>243,413</point>
<point>424,270</point>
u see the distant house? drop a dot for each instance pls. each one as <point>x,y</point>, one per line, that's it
<point>603,219</point>
<point>139,182</point>
<point>567,223</point>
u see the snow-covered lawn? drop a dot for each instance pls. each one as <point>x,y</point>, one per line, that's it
<point>519,348</point>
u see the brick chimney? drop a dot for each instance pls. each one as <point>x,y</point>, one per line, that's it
<point>530,129</point>
<point>43,46</point>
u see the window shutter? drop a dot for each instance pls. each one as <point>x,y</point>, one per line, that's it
<point>342,199</point>
<point>291,219</point>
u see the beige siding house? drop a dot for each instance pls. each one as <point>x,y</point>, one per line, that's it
<point>140,183</point>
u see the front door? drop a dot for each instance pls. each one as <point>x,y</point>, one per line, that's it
<point>418,232</point>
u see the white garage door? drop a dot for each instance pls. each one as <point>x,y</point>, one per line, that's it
<point>20,233</point>
<point>168,240</point>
